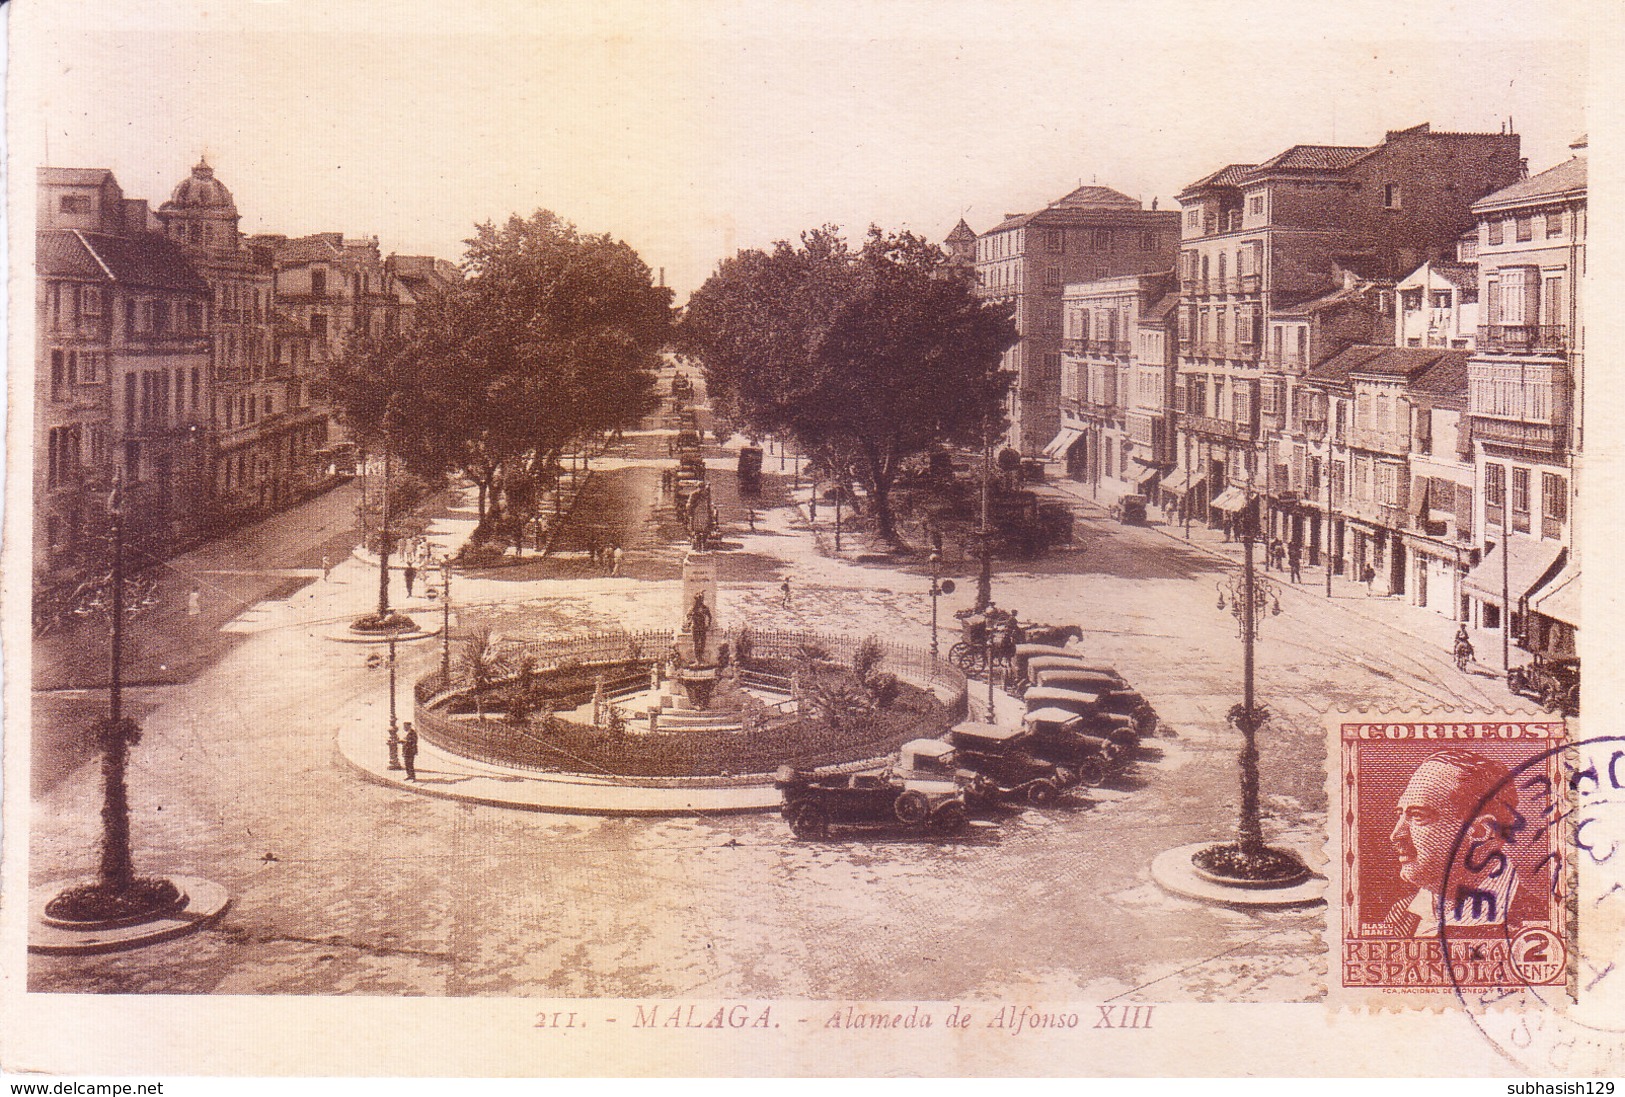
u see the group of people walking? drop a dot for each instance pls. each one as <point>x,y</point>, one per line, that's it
<point>607,558</point>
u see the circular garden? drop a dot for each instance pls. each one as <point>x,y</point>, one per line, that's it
<point>582,704</point>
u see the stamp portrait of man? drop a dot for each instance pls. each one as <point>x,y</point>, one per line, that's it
<point>1462,803</point>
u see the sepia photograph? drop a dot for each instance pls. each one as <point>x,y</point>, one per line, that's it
<point>743,538</point>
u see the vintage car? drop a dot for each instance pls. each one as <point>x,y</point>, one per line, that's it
<point>1552,680</point>
<point>1073,741</point>
<point>1003,766</point>
<point>1041,666</point>
<point>1028,651</point>
<point>1120,727</point>
<point>916,793</point>
<point>1130,510</point>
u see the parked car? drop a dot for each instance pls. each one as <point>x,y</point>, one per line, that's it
<point>1037,665</point>
<point>1130,510</point>
<point>1117,726</point>
<point>914,794</point>
<point>1552,680</point>
<point>1004,767</point>
<point>1071,740</point>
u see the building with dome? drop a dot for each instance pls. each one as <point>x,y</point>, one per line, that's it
<point>265,434</point>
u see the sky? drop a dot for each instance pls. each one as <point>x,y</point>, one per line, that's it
<point>693,129</point>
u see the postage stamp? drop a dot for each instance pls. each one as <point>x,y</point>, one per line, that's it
<point>1454,873</point>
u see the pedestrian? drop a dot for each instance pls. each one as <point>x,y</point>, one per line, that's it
<point>618,555</point>
<point>784,591</point>
<point>1295,560</point>
<point>1368,577</point>
<point>1276,554</point>
<point>411,577</point>
<point>750,515</point>
<point>194,603</point>
<point>327,566</point>
<point>409,751</point>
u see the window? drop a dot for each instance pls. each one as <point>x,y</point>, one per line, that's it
<point>197,379</point>
<point>1148,241</point>
<point>1441,298</point>
<point>318,325</point>
<point>59,375</point>
<point>1497,231</point>
<point>1520,500</point>
<point>1193,218</point>
<point>1554,223</point>
<point>1240,406</point>
<point>318,283</point>
<point>1552,311</point>
<point>1255,205</point>
<point>1270,396</point>
<point>271,410</point>
<point>1052,276</point>
<point>1100,238</point>
<point>1526,227</point>
<point>1390,196</point>
<point>1554,504</point>
<point>1056,240</point>
<point>1362,411</point>
<point>90,302</point>
<point>129,402</point>
<point>90,368</point>
<point>74,203</point>
<point>160,316</point>
<point>1495,489</point>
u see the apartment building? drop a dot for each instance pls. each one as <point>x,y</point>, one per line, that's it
<point>122,378</point>
<point>1116,378</point>
<point>1525,396</point>
<point>1283,264</point>
<point>1027,259</point>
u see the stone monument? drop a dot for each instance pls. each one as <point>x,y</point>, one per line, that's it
<point>699,632</point>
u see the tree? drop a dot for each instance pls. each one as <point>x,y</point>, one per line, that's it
<point>873,354</point>
<point>552,335</point>
<point>483,666</point>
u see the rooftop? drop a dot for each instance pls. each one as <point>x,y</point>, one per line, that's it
<point>147,260</point>
<point>1567,178</point>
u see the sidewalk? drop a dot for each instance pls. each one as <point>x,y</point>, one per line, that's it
<point>1348,595</point>
<point>363,745</point>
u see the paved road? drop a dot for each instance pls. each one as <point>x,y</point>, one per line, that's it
<point>165,645</point>
<point>346,887</point>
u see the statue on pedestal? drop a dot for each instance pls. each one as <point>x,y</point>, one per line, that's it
<point>699,624</point>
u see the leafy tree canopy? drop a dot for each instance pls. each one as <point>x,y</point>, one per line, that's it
<point>874,353</point>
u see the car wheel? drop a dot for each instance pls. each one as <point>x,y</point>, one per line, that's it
<point>950,819</point>
<point>1040,793</point>
<point>1092,771</point>
<point>912,807</point>
<point>809,821</point>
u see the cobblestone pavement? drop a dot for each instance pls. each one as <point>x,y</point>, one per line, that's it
<point>341,886</point>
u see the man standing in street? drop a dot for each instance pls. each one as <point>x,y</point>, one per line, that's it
<point>1294,558</point>
<point>411,578</point>
<point>784,590</point>
<point>409,752</point>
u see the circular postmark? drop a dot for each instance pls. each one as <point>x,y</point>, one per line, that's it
<point>1532,910</point>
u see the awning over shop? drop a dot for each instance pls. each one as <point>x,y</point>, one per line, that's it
<point>1146,483</point>
<point>1231,500</point>
<point>1528,563</point>
<point>1061,443</point>
<point>1560,599</point>
<point>1179,482</point>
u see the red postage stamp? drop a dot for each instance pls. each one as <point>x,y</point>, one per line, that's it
<point>1452,864</point>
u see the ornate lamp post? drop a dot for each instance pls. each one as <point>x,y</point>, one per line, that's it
<point>445,623</point>
<point>1248,860</point>
<point>394,737</point>
<point>939,587</point>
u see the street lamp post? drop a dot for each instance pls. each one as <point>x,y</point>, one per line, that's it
<point>939,587</point>
<point>394,737</point>
<point>383,546</point>
<point>117,870</point>
<point>445,623</point>
<point>1190,486</point>
<point>984,541</point>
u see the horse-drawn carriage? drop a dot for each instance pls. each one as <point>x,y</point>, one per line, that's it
<point>1004,632</point>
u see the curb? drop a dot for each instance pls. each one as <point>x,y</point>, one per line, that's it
<point>206,901</point>
<point>1173,872</point>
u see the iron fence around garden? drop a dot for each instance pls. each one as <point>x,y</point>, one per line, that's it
<point>763,743</point>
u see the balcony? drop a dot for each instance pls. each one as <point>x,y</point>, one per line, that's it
<point>1244,352</point>
<point>1286,362</point>
<point>1520,404</point>
<point>1217,428</point>
<point>1523,338</point>
<point>1109,347</point>
<point>1393,443</point>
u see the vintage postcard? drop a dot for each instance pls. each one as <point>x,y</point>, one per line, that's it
<point>811,539</point>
